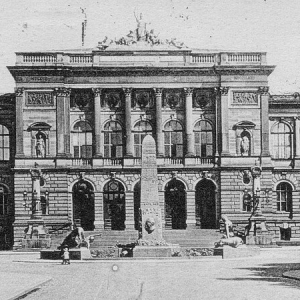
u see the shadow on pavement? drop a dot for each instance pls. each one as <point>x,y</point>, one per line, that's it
<point>272,273</point>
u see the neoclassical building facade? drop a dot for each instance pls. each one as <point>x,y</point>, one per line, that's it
<point>81,116</point>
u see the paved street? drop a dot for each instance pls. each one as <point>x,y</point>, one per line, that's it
<point>207,278</point>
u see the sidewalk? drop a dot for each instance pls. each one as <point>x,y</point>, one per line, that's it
<point>15,285</point>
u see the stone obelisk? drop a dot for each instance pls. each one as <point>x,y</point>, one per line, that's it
<point>150,208</point>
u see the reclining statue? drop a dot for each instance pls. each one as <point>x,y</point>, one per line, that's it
<point>234,242</point>
<point>73,239</point>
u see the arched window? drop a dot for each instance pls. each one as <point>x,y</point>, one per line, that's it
<point>282,141</point>
<point>3,201</point>
<point>113,139</point>
<point>173,139</point>
<point>4,143</point>
<point>82,140</point>
<point>203,139</point>
<point>140,130</point>
<point>284,197</point>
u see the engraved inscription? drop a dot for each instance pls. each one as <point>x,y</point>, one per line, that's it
<point>244,98</point>
<point>39,99</point>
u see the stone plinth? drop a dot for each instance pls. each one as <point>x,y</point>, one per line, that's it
<point>75,254</point>
<point>242,251</point>
<point>264,239</point>
<point>154,251</point>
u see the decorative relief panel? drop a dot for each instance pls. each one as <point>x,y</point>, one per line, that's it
<point>39,99</point>
<point>112,100</point>
<point>244,98</point>
<point>82,100</point>
<point>173,99</point>
<point>143,99</point>
<point>204,98</point>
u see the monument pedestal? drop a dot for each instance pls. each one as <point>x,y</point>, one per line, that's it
<point>154,251</point>
<point>36,235</point>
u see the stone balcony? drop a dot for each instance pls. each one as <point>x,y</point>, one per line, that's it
<point>92,58</point>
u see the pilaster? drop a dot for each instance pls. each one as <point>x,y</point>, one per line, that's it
<point>20,99</point>
<point>190,148</point>
<point>224,120</point>
<point>159,131</point>
<point>264,103</point>
<point>97,122</point>
<point>129,220</point>
<point>190,210</point>
<point>62,122</point>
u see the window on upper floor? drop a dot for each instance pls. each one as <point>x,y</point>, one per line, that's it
<point>203,136</point>
<point>4,143</point>
<point>82,140</point>
<point>3,201</point>
<point>113,139</point>
<point>140,130</point>
<point>284,197</point>
<point>173,139</point>
<point>281,136</point>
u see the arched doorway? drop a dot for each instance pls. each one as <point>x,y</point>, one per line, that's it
<point>137,205</point>
<point>84,205</point>
<point>206,204</point>
<point>175,200</point>
<point>114,205</point>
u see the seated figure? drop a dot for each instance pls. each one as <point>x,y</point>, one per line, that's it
<point>73,239</point>
<point>228,226</point>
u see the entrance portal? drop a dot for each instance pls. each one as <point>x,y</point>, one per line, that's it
<point>114,205</point>
<point>175,200</point>
<point>84,205</point>
<point>206,204</point>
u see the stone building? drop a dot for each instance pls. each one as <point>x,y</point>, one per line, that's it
<point>7,153</point>
<point>81,116</point>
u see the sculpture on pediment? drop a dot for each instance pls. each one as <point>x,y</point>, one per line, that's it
<point>141,27</point>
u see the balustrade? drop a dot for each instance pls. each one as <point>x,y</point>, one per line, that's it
<point>81,59</point>
<point>42,58</point>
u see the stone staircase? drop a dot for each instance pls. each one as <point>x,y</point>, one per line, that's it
<point>203,238</point>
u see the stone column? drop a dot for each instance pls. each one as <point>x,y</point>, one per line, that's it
<point>159,129</point>
<point>190,148</point>
<point>62,122</point>
<point>190,210</point>
<point>129,139</point>
<point>129,210</point>
<point>19,122</point>
<point>97,123</point>
<point>224,120</point>
<point>264,109</point>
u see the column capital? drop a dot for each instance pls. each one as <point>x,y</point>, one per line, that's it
<point>97,91</point>
<point>62,92</point>
<point>127,91</point>
<point>188,91</point>
<point>158,91</point>
<point>19,92</point>
<point>263,90</point>
<point>224,90</point>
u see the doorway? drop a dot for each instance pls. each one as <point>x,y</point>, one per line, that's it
<point>206,204</point>
<point>84,205</point>
<point>114,205</point>
<point>175,205</point>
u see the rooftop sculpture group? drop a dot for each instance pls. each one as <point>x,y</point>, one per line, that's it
<point>140,34</point>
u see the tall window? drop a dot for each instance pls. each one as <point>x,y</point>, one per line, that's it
<point>282,141</point>
<point>140,130</point>
<point>3,201</point>
<point>284,197</point>
<point>113,139</point>
<point>82,139</point>
<point>4,143</point>
<point>173,139</point>
<point>203,139</point>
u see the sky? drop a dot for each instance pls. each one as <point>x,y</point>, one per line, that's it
<point>245,25</point>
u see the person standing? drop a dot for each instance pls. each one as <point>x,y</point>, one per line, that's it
<point>66,256</point>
